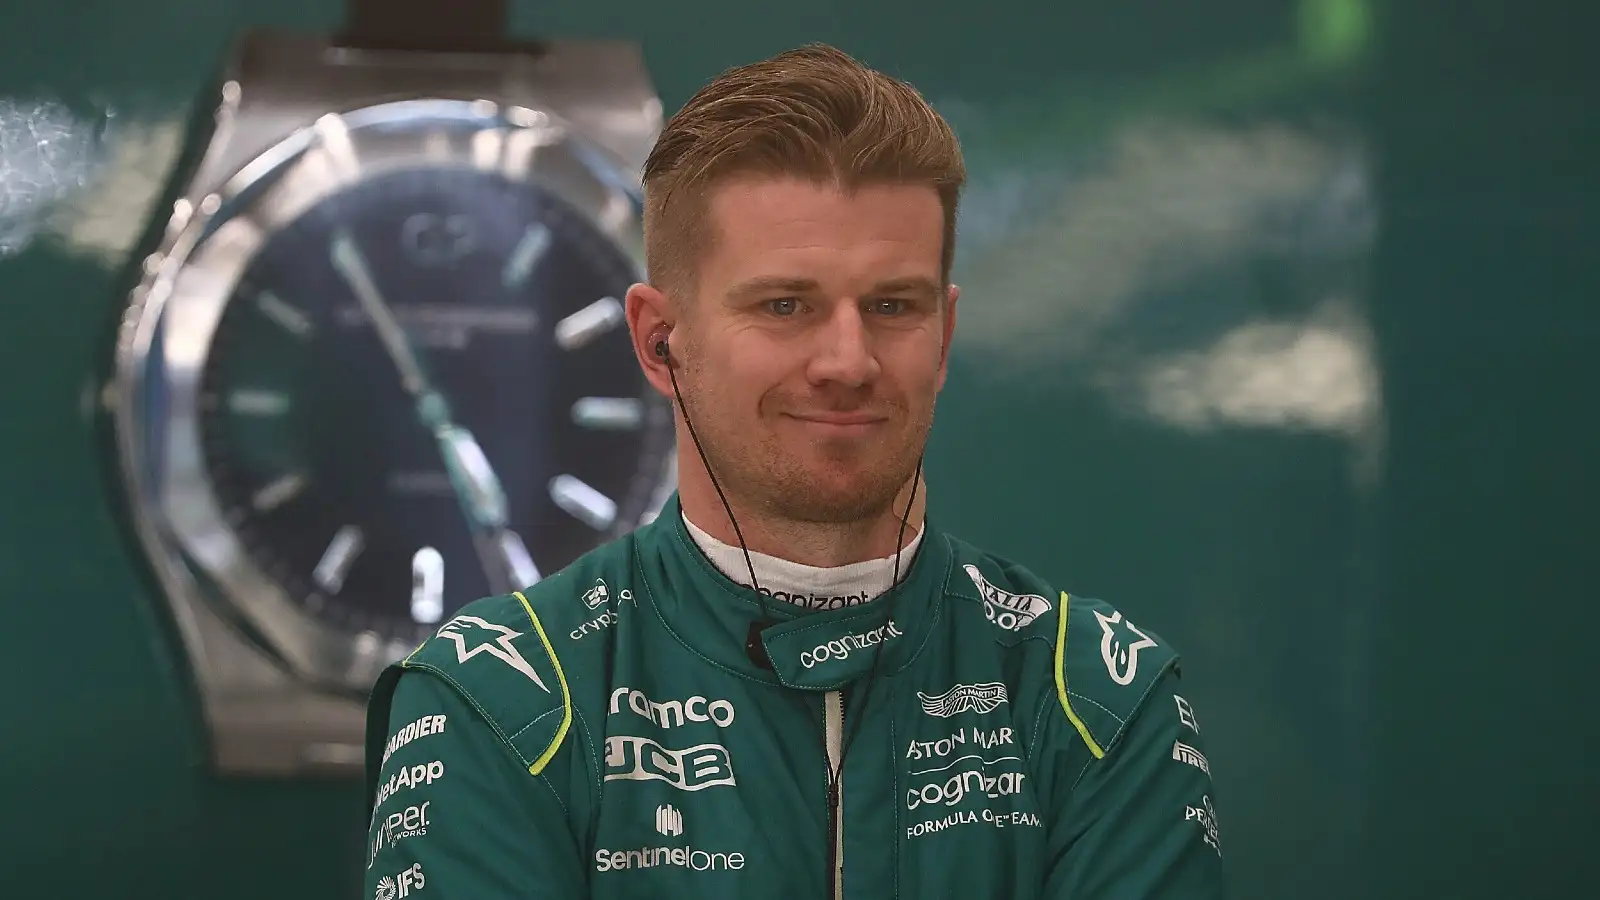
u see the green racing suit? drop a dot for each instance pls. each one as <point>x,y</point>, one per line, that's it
<point>609,734</point>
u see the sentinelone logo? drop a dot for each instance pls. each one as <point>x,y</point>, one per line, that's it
<point>651,857</point>
<point>840,648</point>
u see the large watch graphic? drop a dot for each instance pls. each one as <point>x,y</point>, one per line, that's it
<point>377,366</point>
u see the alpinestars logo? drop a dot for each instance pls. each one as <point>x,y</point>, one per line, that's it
<point>487,637</point>
<point>669,820</point>
<point>1013,612</point>
<point>980,698</point>
<point>1122,662</point>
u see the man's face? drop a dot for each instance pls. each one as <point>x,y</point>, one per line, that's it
<point>813,350</point>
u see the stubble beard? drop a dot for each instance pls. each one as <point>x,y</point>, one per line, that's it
<point>775,477</point>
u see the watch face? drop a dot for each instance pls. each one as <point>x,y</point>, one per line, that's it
<point>509,302</point>
<point>385,372</point>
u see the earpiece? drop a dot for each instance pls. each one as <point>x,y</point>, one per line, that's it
<point>658,342</point>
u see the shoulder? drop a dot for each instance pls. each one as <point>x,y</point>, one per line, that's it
<point>1092,661</point>
<point>496,655</point>
<point>513,658</point>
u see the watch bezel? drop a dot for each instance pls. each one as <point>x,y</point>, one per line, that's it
<point>173,315</point>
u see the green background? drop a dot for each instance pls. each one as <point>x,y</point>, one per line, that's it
<point>1273,332</point>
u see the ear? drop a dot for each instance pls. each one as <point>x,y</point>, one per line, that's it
<point>648,313</point>
<point>952,294</point>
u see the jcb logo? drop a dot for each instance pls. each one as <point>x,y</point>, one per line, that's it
<point>693,769</point>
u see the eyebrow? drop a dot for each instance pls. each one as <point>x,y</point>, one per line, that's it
<point>769,283</point>
<point>915,284</point>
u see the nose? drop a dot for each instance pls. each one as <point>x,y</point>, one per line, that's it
<point>845,353</point>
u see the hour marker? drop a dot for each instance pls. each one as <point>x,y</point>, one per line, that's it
<point>487,147</point>
<point>436,146</point>
<point>258,402</point>
<point>278,492</point>
<point>583,502</point>
<point>293,320</point>
<point>523,570</point>
<point>520,147</point>
<point>608,413</point>
<point>427,586</point>
<point>338,151</point>
<point>335,563</point>
<point>588,323</point>
<point>525,255</point>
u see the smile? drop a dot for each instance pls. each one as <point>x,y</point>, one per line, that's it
<point>841,423</point>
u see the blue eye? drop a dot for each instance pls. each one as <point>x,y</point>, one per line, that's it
<point>889,307</point>
<point>784,306</point>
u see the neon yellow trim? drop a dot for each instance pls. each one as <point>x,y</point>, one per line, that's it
<point>407,661</point>
<point>566,695</point>
<point>1061,681</point>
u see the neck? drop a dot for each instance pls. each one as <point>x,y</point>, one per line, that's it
<point>822,544</point>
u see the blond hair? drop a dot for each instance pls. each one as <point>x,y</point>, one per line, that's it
<point>813,112</point>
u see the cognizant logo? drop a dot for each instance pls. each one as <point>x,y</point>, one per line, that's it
<point>817,601</point>
<point>955,789</point>
<point>840,648</point>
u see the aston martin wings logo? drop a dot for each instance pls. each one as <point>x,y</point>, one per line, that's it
<point>473,635</point>
<point>979,698</point>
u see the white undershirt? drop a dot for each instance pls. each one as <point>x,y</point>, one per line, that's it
<point>810,587</point>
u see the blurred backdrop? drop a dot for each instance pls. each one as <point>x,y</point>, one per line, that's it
<point>1274,332</point>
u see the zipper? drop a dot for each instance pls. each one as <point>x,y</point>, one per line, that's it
<point>833,736</point>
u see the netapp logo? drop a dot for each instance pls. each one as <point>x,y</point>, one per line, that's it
<point>840,648</point>
<point>410,777</point>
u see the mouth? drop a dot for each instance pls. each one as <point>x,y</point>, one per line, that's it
<point>841,419</point>
<point>851,427</point>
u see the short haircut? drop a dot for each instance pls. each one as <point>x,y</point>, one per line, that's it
<point>814,113</point>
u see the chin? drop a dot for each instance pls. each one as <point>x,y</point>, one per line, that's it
<point>827,491</point>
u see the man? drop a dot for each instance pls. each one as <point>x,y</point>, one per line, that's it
<point>732,701</point>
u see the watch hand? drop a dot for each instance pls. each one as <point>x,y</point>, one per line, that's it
<point>469,469</point>
<point>353,266</point>
<point>482,495</point>
<point>485,502</point>
<point>476,486</point>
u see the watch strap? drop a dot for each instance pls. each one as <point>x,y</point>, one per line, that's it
<point>448,26</point>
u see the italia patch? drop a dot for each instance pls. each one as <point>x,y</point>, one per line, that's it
<point>1012,612</point>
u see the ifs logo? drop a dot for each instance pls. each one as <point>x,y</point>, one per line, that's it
<point>394,887</point>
